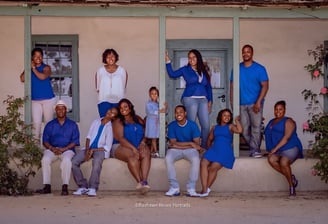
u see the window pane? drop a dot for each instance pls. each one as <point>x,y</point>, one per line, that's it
<point>63,90</point>
<point>58,57</point>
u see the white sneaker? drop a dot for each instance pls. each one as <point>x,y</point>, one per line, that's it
<point>257,155</point>
<point>92,192</point>
<point>81,191</point>
<point>192,193</point>
<point>206,193</point>
<point>173,192</point>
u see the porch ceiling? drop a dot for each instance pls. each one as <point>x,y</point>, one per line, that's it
<point>257,3</point>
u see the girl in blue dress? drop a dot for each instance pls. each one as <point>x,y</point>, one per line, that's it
<point>152,120</point>
<point>220,152</point>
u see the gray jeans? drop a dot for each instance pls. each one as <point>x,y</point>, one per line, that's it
<point>251,123</point>
<point>192,156</point>
<point>78,159</point>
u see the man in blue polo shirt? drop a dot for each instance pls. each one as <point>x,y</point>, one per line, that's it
<point>253,85</point>
<point>184,143</point>
<point>60,136</point>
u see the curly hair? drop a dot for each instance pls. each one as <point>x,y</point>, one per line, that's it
<point>132,113</point>
<point>219,117</point>
<point>108,52</point>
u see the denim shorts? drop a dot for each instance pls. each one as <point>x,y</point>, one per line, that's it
<point>112,152</point>
<point>291,154</point>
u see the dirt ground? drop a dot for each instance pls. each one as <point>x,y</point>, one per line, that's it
<point>130,207</point>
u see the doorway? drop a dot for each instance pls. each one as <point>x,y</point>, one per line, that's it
<point>218,56</point>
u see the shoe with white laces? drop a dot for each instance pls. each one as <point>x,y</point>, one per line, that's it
<point>173,192</point>
<point>92,192</point>
<point>192,193</point>
<point>81,191</point>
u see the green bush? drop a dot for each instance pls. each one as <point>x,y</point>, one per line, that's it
<point>20,153</point>
<point>318,118</point>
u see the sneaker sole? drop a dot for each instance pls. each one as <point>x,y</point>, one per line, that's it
<point>144,190</point>
<point>204,195</point>
<point>79,194</point>
<point>193,196</point>
<point>173,195</point>
<point>76,194</point>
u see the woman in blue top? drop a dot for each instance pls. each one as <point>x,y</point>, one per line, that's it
<point>128,131</point>
<point>197,96</point>
<point>283,144</point>
<point>43,97</point>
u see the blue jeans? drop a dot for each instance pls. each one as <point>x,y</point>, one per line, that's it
<point>198,108</point>
<point>192,156</point>
<point>78,159</point>
<point>251,123</point>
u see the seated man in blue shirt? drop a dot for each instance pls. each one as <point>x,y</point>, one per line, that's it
<point>184,143</point>
<point>60,136</point>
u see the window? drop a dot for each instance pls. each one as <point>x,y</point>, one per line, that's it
<point>61,54</point>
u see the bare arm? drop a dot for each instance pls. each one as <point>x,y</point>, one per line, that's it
<point>173,143</point>
<point>236,128</point>
<point>22,77</point>
<point>126,80</point>
<point>264,90</point>
<point>210,138</point>
<point>164,109</point>
<point>167,57</point>
<point>44,74</point>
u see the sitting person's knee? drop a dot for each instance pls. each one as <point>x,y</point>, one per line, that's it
<point>133,160</point>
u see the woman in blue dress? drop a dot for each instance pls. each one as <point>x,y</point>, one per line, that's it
<point>130,144</point>
<point>283,145</point>
<point>220,152</point>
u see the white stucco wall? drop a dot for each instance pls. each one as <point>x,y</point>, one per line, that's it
<point>135,40</point>
<point>280,45</point>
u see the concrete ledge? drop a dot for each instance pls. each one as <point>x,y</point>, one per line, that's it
<point>248,175</point>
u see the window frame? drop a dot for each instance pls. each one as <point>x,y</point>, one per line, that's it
<point>75,114</point>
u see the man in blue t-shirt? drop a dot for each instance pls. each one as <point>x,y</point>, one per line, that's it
<point>254,85</point>
<point>184,143</point>
<point>60,137</point>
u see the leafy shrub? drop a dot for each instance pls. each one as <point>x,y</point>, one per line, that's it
<point>20,153</point>
<point>318,118</point>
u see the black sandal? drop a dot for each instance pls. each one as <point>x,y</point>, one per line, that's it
<point>292,191</point>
